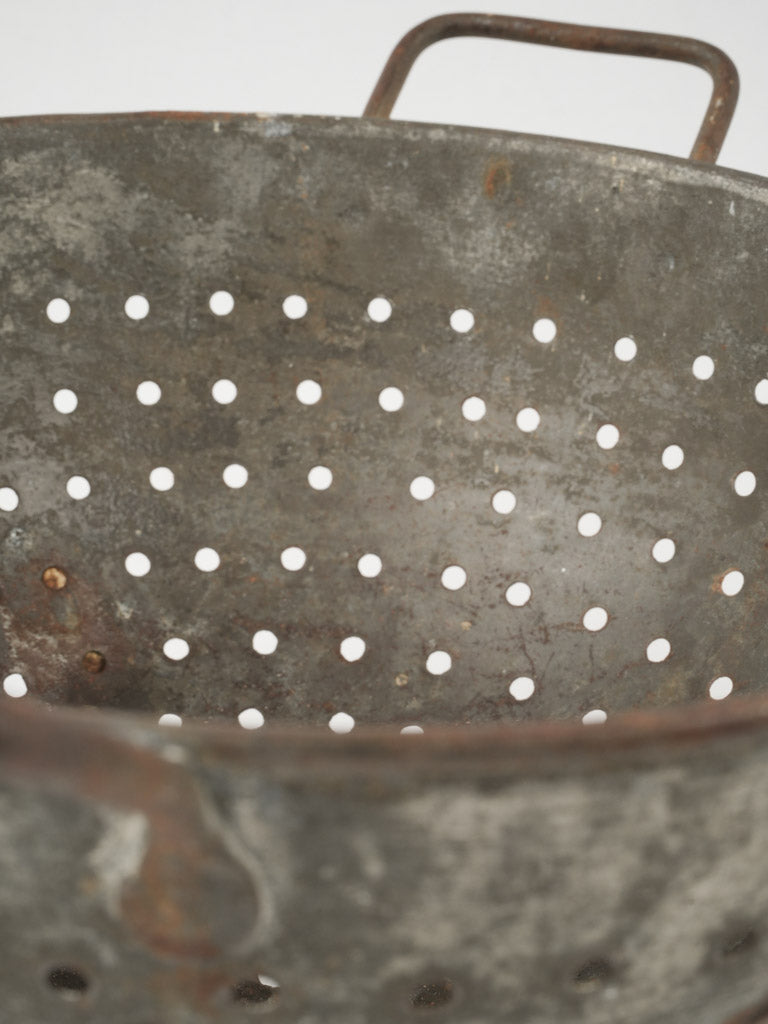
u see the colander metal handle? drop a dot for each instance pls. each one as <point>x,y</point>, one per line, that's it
<point>725,78</point>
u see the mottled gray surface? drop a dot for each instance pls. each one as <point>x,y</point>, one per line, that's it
<point>605,243</point>
<point>374,874</point>
<point>383,864</point>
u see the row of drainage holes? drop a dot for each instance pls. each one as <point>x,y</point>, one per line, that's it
<point>136,307</point>
<point>309,392</point>
<point>391,399</point>
<point>590,524</point>
<point>295,307</point>
<point>320,478</point>
<point>342,723</point>
<point>207,560</point>
<point>521,689</point>
<point>235,476</point>
<point>380,309</point>
<point>453,577</point>
<point>224,391</point>
<point>353,648</point>
<point>430,995</point>
<point>72,984</point>
<point>702,368</point>
<point>421,488</point>
<point>252,718</point>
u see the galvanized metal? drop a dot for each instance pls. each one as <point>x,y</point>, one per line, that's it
<point>529,870</point>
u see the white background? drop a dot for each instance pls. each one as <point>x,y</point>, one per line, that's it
<point>323,56</point>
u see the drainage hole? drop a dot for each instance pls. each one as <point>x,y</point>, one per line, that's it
<point>592,974</point>
<point>432,995</point>
<point>69,982</point>
<point>260,990</point>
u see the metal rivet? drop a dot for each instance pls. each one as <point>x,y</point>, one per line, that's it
<point>94,661</point>
<point>54,578</point>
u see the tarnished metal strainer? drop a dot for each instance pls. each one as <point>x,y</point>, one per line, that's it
<point>315,421</point>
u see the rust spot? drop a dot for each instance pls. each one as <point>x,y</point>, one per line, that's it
<point>498,175</point>
<point>94,661</point>
<point>54,578</point>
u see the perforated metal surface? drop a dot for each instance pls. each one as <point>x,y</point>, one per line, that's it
<point>597,245</point>
<point>374,879</point>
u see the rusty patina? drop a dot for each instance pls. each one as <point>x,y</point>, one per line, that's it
<point>510,863</point>
<point>720,67</point>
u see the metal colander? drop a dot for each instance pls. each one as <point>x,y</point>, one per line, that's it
<point>316,421</point>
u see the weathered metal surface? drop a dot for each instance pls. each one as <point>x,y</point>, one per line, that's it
<point>725,78</point>
<point>547,874</point>
<point>604,243</point>
<point>535,872</point>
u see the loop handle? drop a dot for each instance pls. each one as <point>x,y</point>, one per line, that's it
<point>725,78</point>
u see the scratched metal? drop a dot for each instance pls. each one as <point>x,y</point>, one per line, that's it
<point>164,869</point>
